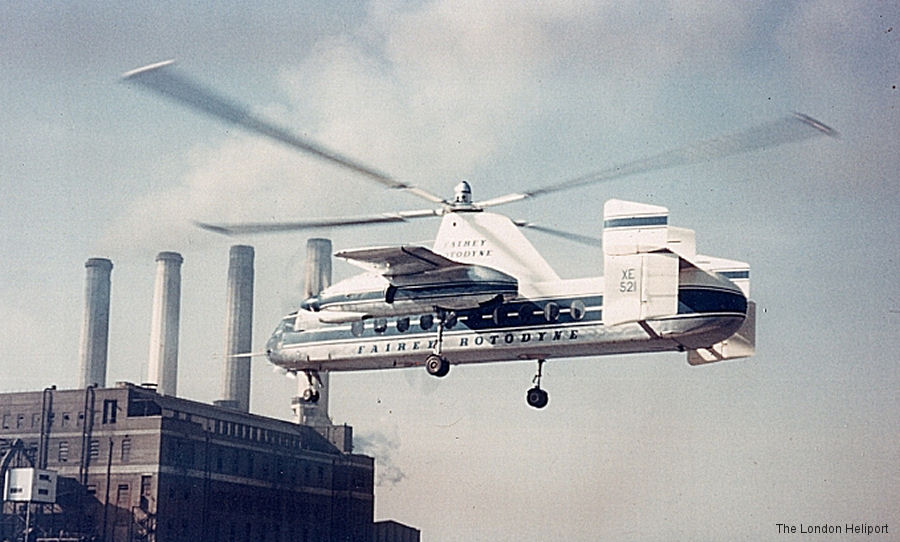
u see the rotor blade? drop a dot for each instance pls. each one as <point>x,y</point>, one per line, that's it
<point>162,77</point>
<point>583,239</point>
<point>277,227</point>
<point>792,128</point>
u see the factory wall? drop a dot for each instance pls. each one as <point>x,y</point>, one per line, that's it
<point>137,465</point>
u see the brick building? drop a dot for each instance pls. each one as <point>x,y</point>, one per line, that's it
<point>134,465</point>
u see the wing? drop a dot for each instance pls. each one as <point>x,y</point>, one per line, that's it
<point>398,260</point>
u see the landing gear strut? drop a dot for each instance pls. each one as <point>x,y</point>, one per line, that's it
<point>311,393</point>
<point>537,397</point>
<point>435,363</point>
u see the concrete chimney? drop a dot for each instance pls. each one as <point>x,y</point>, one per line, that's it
<point>317,278</point>
<point>318,266</point>
<point>95,329</point>
<point>163,362</point>
<point>238,329</point>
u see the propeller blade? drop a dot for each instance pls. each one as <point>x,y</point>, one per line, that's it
<point>162,77</point>
<point>583,239</point>
<point>789,129</point>
<point>277,227</point>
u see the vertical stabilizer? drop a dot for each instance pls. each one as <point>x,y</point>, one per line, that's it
<point>640,273</point>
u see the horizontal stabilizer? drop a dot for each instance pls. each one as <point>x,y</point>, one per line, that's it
<point>633,228</point>
<point>740,345</point>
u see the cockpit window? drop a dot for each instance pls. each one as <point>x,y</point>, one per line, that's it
<point>288,324</point>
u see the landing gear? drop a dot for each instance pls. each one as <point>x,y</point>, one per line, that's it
<point>311,393</point>
<point>435,363</point>
<point>537,397</point>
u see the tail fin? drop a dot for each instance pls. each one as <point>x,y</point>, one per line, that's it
<point>640,274</point>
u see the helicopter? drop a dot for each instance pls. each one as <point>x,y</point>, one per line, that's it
<point>483,292</point>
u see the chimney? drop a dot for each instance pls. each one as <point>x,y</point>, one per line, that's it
<point>317,278</point>
<point>163,362</point>
<point>95,329</point>
<point>318,267</point>
<point>238,329</point>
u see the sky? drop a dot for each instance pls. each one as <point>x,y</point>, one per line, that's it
<point>509,96</point>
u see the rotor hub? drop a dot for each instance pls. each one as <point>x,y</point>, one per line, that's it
<point>462,194</point>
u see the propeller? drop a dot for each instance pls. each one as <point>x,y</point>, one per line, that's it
<point>273,227</point>
<point>163,78</point>
<point>789,129</point>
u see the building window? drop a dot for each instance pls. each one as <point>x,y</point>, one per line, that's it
<point>123,498</point>
<point>146,491</point>
<point>20,421</point>
<point>6,421</point>
<point>63,451</point>
<point>109,411</point>
<point>126,450</point>
<point>94,450</point>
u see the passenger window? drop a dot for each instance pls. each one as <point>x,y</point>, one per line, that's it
<point>577,309</point>
<point>357,328</point>
<point>450,320</point>
<point>501,315</point>
<point>380,325</point>
<point>403,324</point>
<point>551,312</point>
<point>426,321</point>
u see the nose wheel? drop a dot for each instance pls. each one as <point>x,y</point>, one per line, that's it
<point>537,397</point>
<point>311,393</point>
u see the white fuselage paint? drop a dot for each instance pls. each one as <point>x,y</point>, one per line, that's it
<point>562,319</point>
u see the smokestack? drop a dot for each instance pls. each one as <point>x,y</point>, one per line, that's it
<point>318,266</point>
<point>238,329</point>
<point>95,329</point>
<point>163,363</point>
<point>317,278</point>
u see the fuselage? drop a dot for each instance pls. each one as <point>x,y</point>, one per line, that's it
<point>544,321</point>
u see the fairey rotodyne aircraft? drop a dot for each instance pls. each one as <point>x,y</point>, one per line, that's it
<point>483,293</point>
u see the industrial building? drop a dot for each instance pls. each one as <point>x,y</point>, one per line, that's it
<point>136,465</point>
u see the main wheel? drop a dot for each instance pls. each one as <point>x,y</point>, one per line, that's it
<point>437,365</point>
<point>310,395</point>
<point>537,397</point>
